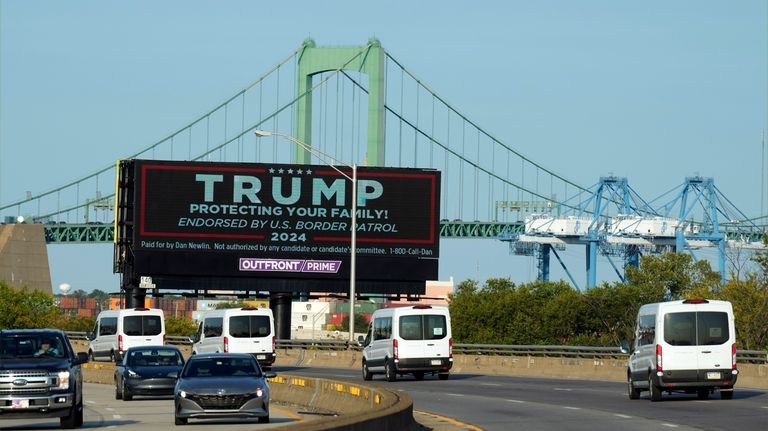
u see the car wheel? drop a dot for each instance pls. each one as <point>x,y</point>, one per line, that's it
<point>264,419</point>
<point>179,421</point>
<point>389,371</point>
<point>443,376</point>
<point>419,375</point>
<point>726,394</point>
<point>79,415</point>
<point>366,373</point>
<point>90,356</point>
<point>634,393</point>
<point>118,393</point>
<point>654,390</point>
<point>126,392</point>
<point>69,421</point>
<point>112,356</point>
<point>702,394</point>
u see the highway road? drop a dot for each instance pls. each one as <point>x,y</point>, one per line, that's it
<point>504,403</point>
<point>486,402</point>
<point>104,412</point>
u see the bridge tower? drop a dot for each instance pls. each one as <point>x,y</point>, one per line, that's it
<point>368,59</point>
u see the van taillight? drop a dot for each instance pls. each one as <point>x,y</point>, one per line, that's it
<point>659,362</point>
<point>226,344</point>
<point>165,339</point>
<point>733,356</point>
<point>119,343</point>
<point>274,343</point>
<point>450,347</point>
<point>394,349</point>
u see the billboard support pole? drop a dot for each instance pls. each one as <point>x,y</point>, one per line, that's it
<point>324,157</point>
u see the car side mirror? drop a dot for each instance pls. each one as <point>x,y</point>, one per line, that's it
<point>193,339</point>
<point>270,375</point>
<point>624,347</point>
<point>81,358</point>
<point>173,374</point>
<point>360,340</point>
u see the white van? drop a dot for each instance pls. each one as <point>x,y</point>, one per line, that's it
<point>237,330</point>
<point>683,346</point>
<point>117,330</point>
<point>408,340</point>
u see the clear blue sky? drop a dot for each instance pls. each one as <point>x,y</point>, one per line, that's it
<point>654,91</point>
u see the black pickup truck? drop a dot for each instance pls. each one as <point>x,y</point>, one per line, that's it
<point>40,376</point>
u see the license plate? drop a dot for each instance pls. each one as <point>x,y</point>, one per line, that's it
<point>20,404</point>
<point>437,362</point>
<point>713,375</point>
<point>261,357</point>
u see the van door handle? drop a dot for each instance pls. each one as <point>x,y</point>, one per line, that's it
<point>706,351</point>
<point>430,344</point>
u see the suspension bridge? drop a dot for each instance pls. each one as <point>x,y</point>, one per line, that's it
<point>364,107</point>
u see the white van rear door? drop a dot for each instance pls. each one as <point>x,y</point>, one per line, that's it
<point>250,333</point>
<point>423,336</point>
<point>714,344</point>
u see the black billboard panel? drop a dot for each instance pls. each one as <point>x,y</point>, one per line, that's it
<point>283,221</point>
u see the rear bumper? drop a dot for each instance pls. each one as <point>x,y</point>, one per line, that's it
<point>266,358</point>
<point>151,386</point>
<point>408,365</point>
<point>682,379</point>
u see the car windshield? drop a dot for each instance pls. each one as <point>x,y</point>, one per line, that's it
<point>154,358</point>
<point>222,367</point>
<point>32,346</point>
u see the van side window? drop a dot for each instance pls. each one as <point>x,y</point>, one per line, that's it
<point>382,328</point>
<point>108,326</point>
<point>213,327</point>
<point>646,330</point>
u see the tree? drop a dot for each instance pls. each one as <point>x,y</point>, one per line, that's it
<point>361,323</point>
<point>673,275</point>
<point>20,308</point>
<point>238,303</point>
<point>179,326</point>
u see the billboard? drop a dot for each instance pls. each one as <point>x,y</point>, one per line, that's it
<point>286,226</point>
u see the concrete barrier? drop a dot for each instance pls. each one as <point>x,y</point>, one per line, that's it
<point>354,407</point>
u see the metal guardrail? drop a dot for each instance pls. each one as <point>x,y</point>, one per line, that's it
<point>744,356</point>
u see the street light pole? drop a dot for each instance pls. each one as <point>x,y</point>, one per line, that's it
<point>353,236</point>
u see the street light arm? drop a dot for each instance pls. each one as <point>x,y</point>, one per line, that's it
<point>314,151</point>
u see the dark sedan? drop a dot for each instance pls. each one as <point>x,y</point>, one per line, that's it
<point>222,385</point>
<point>147,370</point>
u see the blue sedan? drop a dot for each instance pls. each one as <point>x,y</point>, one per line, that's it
<point>147,370</point>
<point>222,385</point>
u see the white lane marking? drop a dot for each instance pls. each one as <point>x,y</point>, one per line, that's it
<point>572,408</point>
<point>455,395</point>
<point>669,425</point>
<point>117,417</point>
<point>516,401</point>
<point>90,402</point>
<point>563,389</point>
<point>109,409</point>
<point>490,384</point>
<point>764,407</point>
<point>112,426</point>
<point>622,416</point>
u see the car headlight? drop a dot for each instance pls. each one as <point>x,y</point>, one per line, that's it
<point>183,394</point>
<point>133,374</point>
<point>63,380</point>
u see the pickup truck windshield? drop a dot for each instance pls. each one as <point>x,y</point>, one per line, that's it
<point>31,346</point>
